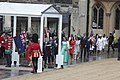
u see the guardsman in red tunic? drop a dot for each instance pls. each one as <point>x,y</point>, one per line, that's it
<point>2,45</point>
<point>8,49</point>
<point>35,50</point>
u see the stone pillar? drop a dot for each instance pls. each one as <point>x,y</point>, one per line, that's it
<point>29,24</point>
<point>7,22</point>
<point>108,23</point>
<point>83,15</point>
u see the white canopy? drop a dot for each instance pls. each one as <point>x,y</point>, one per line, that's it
<point>32,10</point>
<point>24,9</point>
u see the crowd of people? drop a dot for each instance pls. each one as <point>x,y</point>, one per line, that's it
<point>74,48</point>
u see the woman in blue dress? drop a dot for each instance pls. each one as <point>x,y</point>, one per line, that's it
<point>64,50</point>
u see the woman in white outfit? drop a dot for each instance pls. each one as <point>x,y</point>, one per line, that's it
<point>99,44</point>
<point>77,49</point>
<point>104,41</point>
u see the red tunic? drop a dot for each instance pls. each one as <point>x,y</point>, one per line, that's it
<point>72,44</point>
<point>2,41</point>
<point>8,43</point>
<point>34,49</point>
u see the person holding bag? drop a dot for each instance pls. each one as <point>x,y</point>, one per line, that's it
<point>35,51</point>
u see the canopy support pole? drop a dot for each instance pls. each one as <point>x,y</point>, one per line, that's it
<point>29,24</point>
<point>59,57</point>
<point>15,55</point>
<point>41,45</point>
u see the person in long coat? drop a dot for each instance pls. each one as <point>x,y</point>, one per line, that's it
<point>104,41</point>
<point>110,41</point>
<point>71,48</point>
<point>83,44</point>
<point>64,50</point>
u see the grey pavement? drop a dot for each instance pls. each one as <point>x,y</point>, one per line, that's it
<point>7,73</point>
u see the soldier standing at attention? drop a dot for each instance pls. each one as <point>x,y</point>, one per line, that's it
<point>8,49</point>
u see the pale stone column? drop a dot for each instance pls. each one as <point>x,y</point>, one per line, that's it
<point>29,24</point>
<point>108,23</point>
<point>7,21</point>
<point>39,70</point>
<point>15,55</point>
<point>83,15</point>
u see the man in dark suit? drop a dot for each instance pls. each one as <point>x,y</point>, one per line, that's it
<point>83,46</point>
<point>110,41</point>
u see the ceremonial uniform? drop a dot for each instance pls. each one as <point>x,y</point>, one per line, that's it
<point>35,51</point>
<point>2,46</point>
<point>8,50</point>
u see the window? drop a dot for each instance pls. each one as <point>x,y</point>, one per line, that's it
<point>97,19</point>
<point>117,18</point>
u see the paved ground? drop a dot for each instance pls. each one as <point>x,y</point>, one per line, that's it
<point>99,67</point>
<point>107,69</point>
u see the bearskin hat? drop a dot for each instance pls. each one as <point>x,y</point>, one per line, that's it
<point>35,38</point>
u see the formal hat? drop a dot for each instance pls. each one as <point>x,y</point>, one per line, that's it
<point>35,38</point>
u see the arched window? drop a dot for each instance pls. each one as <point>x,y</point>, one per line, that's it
<point>97,18</point>
<point>117,18</point>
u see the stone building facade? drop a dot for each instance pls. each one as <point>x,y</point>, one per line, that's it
<point>104,16</point>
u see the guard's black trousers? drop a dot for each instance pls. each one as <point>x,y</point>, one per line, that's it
<point>35,63</point>
<point>8,59</point>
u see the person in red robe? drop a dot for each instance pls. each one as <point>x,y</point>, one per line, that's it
<point>71,49</point>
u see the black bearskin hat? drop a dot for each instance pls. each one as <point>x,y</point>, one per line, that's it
<point>35,38</point>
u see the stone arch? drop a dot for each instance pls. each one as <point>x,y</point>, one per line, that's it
<point>114,22</point>
<point>98,23</point>
<point>114,5</point>
<point>100,4</point>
